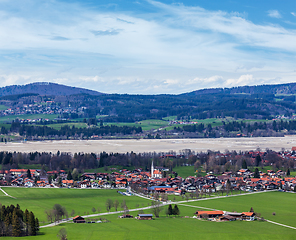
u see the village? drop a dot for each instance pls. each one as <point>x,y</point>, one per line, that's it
<point>153,182</point>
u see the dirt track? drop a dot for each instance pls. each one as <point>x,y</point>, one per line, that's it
<point>157,145</point>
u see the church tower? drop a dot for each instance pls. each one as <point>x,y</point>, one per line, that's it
<point>152,170</point>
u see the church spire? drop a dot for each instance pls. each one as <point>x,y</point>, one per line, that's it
<point>152,170</point>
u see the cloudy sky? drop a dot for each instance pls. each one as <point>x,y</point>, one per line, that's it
<point>147,46</point>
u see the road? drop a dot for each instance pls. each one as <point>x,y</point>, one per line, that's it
<point>166,203</point>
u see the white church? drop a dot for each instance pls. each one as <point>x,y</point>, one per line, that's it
<point>155,173</point>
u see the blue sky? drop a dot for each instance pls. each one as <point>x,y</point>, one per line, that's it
<point>147,46</point>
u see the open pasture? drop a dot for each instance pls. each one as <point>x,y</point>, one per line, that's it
<point>167,228</point>
<point>10,118</point>
<point>37,200</point>
<point>80,200</point>
<point>266,203</point>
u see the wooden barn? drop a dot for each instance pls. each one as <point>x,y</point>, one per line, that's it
<point>78,219</point>
<point>145,216</point>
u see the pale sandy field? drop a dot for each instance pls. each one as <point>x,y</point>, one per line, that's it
<point>157,145</point>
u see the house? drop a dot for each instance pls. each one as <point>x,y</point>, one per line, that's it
<point>248,216</point>
<point>145,216</point>
<point>209,214</point>
<point>162,189</point>
<point>67,183</point>
<point>126,216</point>
<point>78,219</point>
<point>227,218</point>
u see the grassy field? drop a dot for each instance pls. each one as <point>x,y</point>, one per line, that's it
<point>164,227</point>
<point>58,126</point>
<point>186,171</point>
<point>282,204</point>
<point>28,116</point>
<point>145,124</point>
<point>80,200</point>
<point>3,107</point>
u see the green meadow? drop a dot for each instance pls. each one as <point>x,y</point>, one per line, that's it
<point>58,126</point>
<point>82,200</point>
<point>266,203</point>
<point>10,118</point>
<point>145,124</point>
<point>3,107</point>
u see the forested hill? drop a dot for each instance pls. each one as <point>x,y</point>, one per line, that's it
<point>288,88</point>
<point>44,88</point>
<point>250,102</point>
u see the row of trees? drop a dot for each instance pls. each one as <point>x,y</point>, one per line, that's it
<point>210,161</point>
<point>67,131</point>
<point>241,127</point>
<point>56,214</point>
<point>15,222</point>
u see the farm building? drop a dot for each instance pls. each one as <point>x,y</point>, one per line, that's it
<point>78,219</point>
<point>145,216</point>
<point>209,214</point>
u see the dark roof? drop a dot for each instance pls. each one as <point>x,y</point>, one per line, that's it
<point>145,215</point>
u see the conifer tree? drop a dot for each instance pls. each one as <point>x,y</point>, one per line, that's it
<point>26,220</point>
<point>176,210</point>
<point>288,172</point>
<point>16,225</point>
<point>256,173</point>
<point>258,160</point>
<point>37,224</point>
<point>29,174</point>
<point>170,210</point>
<point>32,224</point>
<point>7,225</point>
<point>244,164</point>
<point>69,176</point>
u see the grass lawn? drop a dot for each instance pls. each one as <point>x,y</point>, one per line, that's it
<point>3,107</point>
<point>283,204</point>
<point>80,200</point>
<point>164,227</point>
<point>28,116</point>
<point>30,166</point>
<point>168,228</point>
<point>145,124</point>
<point>7,126</point>
<point>58,126</point>
<point>186,171</point>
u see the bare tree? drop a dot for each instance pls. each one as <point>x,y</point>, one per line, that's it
<point>116,204</point>
<point>62,235</point>
<point>109,204</point>
<point>156,208</point>
<point>123,204</point>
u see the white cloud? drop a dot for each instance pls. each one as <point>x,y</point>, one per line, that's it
<point>175,49</point>
<point>172,81</point>
<point>274,14</point>
<point>293,13</point>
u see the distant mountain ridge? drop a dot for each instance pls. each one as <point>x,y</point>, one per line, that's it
<point>54,89</point>
<point>287,88</point>
<point>45,88</point>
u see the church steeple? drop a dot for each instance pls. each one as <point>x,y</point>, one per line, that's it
<point>152,170</point>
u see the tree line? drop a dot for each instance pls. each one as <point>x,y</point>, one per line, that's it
<point>241,128</point>
<point>210,161</point>
<point>67,131</point>
<point>17,223</point>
